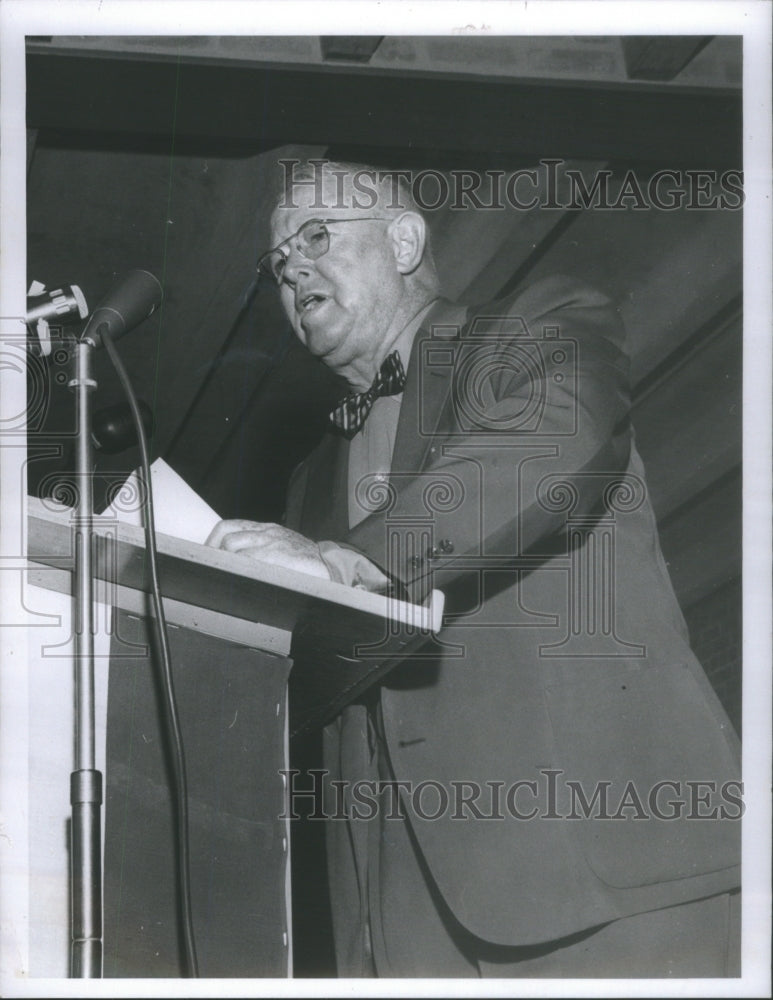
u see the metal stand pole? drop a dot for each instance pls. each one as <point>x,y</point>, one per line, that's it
<point>85,782</point>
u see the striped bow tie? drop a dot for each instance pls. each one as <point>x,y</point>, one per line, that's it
<point>351,413</point>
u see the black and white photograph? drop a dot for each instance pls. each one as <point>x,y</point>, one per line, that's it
<point>385,484</point>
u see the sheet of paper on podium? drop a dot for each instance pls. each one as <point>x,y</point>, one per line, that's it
<point>177,509</point>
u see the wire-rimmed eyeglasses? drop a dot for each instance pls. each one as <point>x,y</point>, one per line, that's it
<point>312,241</point>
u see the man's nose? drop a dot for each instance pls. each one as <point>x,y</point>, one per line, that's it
<point>296,265</point>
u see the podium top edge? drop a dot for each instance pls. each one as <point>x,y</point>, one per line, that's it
<point>61,518</point>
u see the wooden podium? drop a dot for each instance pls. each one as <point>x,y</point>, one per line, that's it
<point>241,635</point>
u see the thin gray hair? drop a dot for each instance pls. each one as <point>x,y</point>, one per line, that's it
<point>390,187</point>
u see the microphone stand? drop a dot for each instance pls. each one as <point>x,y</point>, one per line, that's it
<point>85,781</point>
<point>128,304</point>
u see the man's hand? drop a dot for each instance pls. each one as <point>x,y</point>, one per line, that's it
<point>270,543</point>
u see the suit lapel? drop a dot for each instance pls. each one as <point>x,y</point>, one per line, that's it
<point>426,391</point>
<point>326,501</point>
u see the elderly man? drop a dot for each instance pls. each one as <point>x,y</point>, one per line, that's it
<point>585,820</point>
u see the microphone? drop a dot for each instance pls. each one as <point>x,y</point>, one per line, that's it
<point>127,304</point>
<point>53,308</point>
<point>113,430</point>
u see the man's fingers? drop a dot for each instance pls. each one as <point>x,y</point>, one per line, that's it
<point>253,538</point>
<point>270,543</point>
<point>215,536</point>
<point>223,529</point>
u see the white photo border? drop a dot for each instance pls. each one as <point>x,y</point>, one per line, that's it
<point>752,20</point>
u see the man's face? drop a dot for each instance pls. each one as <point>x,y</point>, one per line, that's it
<point>342,304</point>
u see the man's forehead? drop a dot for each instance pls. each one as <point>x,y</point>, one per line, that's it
<point>325,196</point>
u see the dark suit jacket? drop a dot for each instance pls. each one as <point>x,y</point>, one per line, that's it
<point>564,658</point>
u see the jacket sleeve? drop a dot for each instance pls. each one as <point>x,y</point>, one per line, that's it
<point>534,426</point>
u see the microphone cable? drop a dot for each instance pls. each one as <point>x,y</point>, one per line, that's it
<point>167,685</point>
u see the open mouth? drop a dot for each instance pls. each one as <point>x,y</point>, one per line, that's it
<point>308,303</point>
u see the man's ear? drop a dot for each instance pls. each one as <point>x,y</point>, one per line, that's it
<point>409,238</point>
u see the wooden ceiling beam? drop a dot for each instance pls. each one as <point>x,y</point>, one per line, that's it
<point>349,105</point>
<point>660,57</point>
<point>349,48</point>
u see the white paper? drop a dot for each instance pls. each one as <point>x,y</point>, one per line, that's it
<point>178,510</point>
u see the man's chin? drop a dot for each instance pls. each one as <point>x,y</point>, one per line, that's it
<point>321,338</point>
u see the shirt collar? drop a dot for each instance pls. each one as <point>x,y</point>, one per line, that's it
<point>404,342</point>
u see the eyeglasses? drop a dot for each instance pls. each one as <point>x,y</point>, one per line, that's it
<point>312,241</point>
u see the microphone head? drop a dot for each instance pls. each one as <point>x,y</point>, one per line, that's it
<point>128,304</point>
<point>113,430</point>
